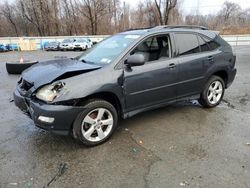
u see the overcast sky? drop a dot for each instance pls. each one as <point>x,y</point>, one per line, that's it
<point>205,6</point>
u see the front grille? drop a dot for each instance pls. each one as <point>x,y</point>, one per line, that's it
<point>24,85</point>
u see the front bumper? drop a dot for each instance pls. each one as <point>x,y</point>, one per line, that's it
<point>66,47</point>
<point>80,47</point>
<point>64,116</point>
<point>51,48</point>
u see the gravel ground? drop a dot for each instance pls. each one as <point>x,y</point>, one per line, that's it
<point>182,145</point>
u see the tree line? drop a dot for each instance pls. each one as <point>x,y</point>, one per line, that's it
<point>80,17</point>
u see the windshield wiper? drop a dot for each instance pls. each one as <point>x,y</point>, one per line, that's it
<point>88,62</point>
<point>84,61</point>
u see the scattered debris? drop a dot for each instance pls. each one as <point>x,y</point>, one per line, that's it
<point>126,129</point>
<point>140,142</point>
<point>61,170</point>
<point>244,100</point>
<point>243,166</point>
<point>228,104</point>
<point>11,100</point>
<point>171,147</point>
<point>195,102</point>
<point>135,150</point>
<point>184,183</point>
<point>13,184</point>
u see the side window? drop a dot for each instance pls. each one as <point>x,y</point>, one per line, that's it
<point>203,44</point>
<point>152,43</point>
<point>212,45</point>
<point>187,43</point>
<point>154,48</point>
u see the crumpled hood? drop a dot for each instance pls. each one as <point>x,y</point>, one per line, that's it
<point>49,71</point>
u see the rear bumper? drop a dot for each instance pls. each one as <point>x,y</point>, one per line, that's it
<point>231,76</point>
<point>64,116</point>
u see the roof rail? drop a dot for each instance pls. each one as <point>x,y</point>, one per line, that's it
<point>139,28</point>
<point>180,26</point>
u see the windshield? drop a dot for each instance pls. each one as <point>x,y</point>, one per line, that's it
<point>67,40</point>
<point>52,43</point>
<point>106,51</point>
<point>80,40</point>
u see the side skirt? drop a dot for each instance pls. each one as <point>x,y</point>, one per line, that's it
<point>159,105</point>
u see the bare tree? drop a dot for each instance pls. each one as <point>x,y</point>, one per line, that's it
<point>164,8</point>
<point>8,13</point>
<point>77,17</point>
<point>93,10</point>
<point>229,9</point>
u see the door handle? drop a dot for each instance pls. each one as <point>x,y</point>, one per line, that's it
<point>171,65</point>
<point>210,58</point>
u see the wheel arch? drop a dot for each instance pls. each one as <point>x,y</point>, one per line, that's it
<point>222,74</point>
<point>107,96</point>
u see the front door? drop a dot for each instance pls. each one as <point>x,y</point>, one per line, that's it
<point>154,82</point>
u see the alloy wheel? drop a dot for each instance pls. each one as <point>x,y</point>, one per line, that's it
<point>97,124</point>
<point>215,92</point>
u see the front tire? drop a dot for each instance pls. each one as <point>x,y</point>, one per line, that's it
<point>213,92</point>
<point>96,123</point>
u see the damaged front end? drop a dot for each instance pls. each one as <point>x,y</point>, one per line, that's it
<point>50,92</point>
<point>40,85</point>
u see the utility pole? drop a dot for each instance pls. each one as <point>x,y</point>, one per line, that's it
<point>198,12</point>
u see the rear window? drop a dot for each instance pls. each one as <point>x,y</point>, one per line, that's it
<point>203,44</point>
<point>210,42</point>
<point>187,43</point>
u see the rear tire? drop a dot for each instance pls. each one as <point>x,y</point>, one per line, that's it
<point>213,92</point>
<point>96,123</point>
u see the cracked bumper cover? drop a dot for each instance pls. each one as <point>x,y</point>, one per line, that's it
<point>64,116</point>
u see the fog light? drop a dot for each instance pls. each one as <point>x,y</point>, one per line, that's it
<point>46,119</point>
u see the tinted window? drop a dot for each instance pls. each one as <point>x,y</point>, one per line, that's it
<point>187,43</point>
<point>212,45</point>
<point>203,44</point>
<point>154,48</point>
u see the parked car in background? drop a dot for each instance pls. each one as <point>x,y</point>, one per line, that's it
<point>90,41</point>
<point>3,48</point>
<point>67,44</point>
<point>126,74</point>
<point>12,47</point>
<point>52,46</point>
<point>81,44</point>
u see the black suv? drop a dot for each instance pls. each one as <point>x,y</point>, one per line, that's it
<point>126,74</point>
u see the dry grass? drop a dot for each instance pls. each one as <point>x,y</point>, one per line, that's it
<point>235,30</point>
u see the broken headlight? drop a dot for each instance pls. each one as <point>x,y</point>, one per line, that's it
<point>48,93</point>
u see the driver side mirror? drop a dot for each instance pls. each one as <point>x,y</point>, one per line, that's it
<point>135,60</point>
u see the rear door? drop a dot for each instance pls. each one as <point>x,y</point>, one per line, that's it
<point>154,82</point>
<point>190,64</point>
